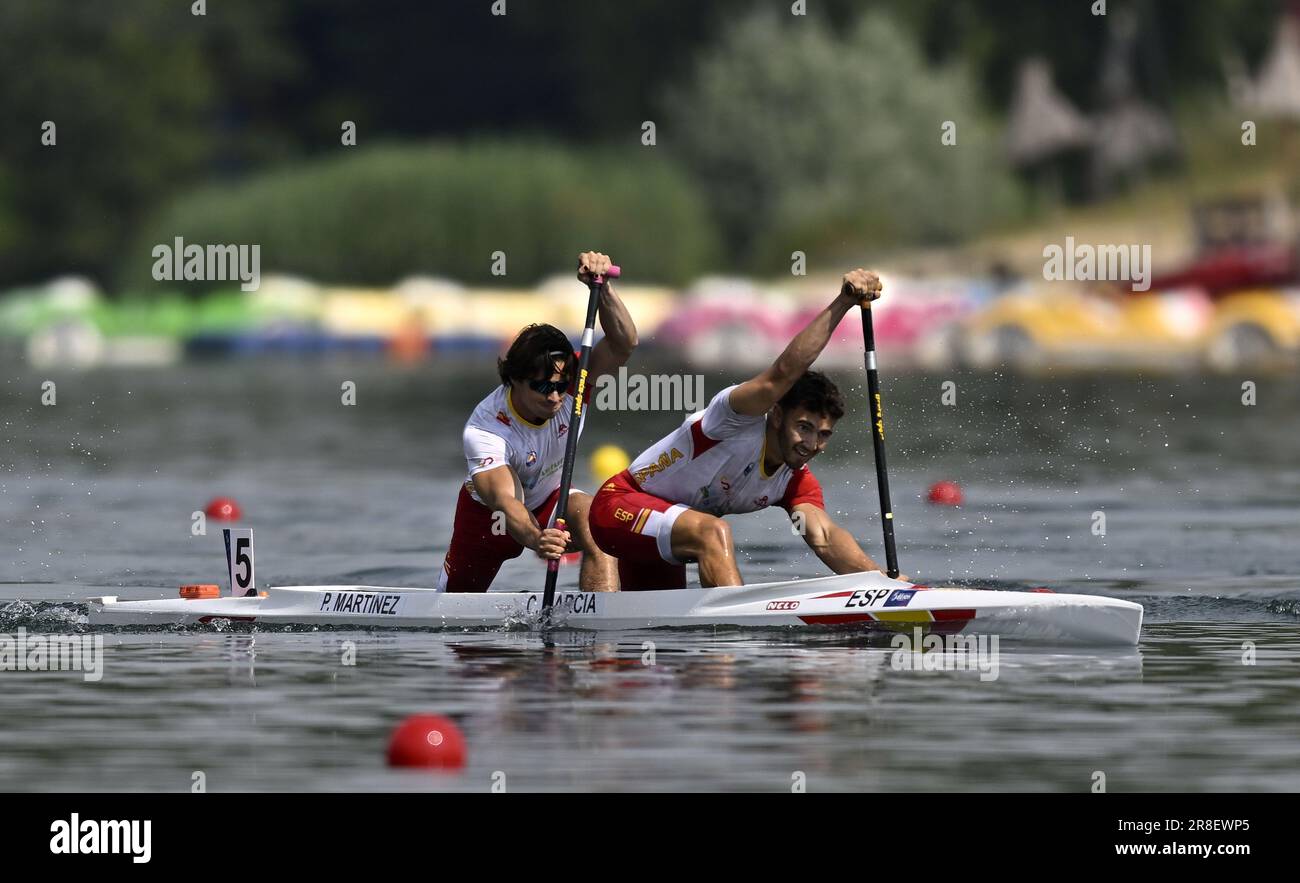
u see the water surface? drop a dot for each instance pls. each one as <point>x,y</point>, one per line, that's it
<point>1197,490</point>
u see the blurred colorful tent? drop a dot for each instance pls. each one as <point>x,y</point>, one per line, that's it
<point>1277,90</point>
<point>1043,123</point>
<point>1131,132</point>
<point>1047,138</point>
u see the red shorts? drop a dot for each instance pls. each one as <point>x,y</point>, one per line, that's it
<point>476,553</point>
<point>636,528</point>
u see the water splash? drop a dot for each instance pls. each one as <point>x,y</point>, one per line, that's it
<point>43,616</point>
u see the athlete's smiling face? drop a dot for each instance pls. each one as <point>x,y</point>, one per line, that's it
<point>537,406</point>
<point>800,434</point>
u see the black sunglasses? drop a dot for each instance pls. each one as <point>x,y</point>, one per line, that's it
<point>546,387</point>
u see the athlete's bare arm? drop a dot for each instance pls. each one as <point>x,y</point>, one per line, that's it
<point>757,396</point>
<point>496,488</point>
<point>615,348</point>
<point>834,545</point>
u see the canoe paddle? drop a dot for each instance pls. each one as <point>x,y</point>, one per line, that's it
<point>878,441</point>
<point>571,445</point>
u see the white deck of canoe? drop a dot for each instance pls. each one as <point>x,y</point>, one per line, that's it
<point>868,600</point>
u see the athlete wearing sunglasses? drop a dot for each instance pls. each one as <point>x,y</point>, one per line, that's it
<point>546,387</point>
<point>514,450</point>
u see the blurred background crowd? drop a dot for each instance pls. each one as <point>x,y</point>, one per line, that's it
<point>420,177</point>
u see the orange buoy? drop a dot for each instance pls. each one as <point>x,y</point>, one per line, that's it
<point>945,493</point>
<point>223,509</point>
<point>427,740</point>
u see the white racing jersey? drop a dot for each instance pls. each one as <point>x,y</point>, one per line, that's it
<point>714,463</point>
<point>496,434</point>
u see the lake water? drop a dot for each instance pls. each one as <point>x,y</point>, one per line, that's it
<point>1198,492</point>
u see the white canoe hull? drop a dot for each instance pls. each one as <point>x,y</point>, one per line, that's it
<point>864,600</point>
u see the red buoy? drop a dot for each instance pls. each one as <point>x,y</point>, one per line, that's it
<point>945,493</point>
<point>223,509</point>
<point>427,740</point>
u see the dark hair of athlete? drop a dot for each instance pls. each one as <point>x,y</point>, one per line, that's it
<point>814,392</point>
<point>534,353</point>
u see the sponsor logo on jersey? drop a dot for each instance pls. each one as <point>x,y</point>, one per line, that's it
<point>665,460</point>
<point>564,427</point>
<point>501,416</point>
<point>485,461</point>
<point>532,458</point>
<point>761,501</point>
<point>749,469</point>
<point>623,515</point>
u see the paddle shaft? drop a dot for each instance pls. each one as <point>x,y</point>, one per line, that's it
<point>878,442</point>
<point>571,445</point>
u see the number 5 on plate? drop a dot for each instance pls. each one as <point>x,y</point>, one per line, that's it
<point>239,560</point>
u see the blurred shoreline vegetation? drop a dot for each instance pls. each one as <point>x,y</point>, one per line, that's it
<point>228,125</point>
<point>374,215</point>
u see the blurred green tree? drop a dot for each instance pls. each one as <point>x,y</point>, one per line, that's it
<point>139,94</point>
<point>807,138</point>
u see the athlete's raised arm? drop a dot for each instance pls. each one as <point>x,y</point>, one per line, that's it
<point>758,395</point>
<point>615,348</point>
